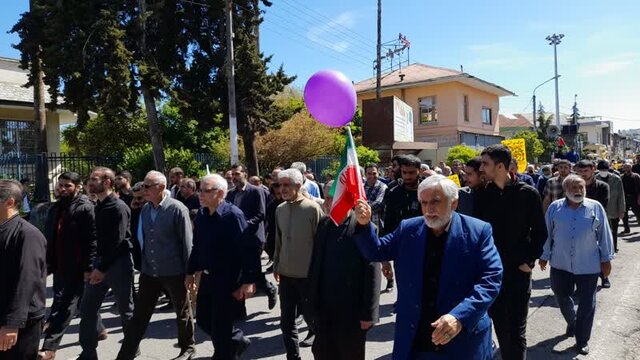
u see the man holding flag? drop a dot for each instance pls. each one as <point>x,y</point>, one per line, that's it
<point>344,287</point>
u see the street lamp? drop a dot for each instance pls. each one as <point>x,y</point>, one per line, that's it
<point>555,40</point>
<point>535,127</point>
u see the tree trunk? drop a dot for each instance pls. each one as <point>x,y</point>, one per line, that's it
<point>155,130</point>
<point>250,151</point>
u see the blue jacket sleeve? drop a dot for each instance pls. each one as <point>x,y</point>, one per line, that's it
<point>377,249</point>
<point>487,287</point>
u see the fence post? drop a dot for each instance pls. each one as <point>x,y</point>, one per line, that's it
<point>41,193</point>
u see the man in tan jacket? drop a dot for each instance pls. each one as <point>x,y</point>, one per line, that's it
<point>296,223</point>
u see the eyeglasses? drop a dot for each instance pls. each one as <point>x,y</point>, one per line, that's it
<point>146,186</point>
<point>200,191</point>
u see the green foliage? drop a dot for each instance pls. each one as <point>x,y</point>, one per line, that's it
<point>106,136</point>
<point>461,152</point>
<point>544,121</point>
<point>533,144</point>
<point>365,156</point>
<point>139,160</point>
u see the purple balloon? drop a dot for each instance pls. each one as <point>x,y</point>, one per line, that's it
<point>330,97</point>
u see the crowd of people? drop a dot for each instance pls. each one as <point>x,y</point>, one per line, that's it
<point>460,257</point>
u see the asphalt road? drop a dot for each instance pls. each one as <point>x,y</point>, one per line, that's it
<point>616,330</point>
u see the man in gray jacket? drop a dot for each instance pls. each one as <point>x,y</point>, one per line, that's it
<point>616,206</point>
<point>166,235</point>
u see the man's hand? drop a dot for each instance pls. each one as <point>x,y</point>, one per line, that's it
<point>387,270</point>
<point>525,268</point>
<point>366,325</point>
<point>276,276</point>
<point>244,292</point>
<point>8,338</point>
<point>543,264</point>
<point>96,277</point>
<point>445,329</point>
<point>190,282</point>
<point>363,212</point>
<point>605,268</point>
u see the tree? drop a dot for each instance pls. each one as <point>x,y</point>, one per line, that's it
<point>533,144</point>
<point>461,152</point>
<point>544,121</point>
<point>298,139</point>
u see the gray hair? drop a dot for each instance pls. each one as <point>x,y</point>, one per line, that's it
<point>11,189</point>
<point>571,179</point>
<point>190,184</point>
<point>158,176</point>
<point>137,187</point>
<point>292,174</point>
<point>300,166</point>
<point>219,183</point>
<point>424,167</point>
<point>449,188</point>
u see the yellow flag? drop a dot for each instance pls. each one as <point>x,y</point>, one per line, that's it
<point>518,151</point>
<point>455,179</point>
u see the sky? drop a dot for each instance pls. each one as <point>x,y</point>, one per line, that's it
<point>501,41</point>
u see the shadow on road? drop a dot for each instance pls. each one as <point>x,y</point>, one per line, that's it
<point>545,349</point>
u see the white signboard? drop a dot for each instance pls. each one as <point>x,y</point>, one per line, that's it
<point>402,121</point>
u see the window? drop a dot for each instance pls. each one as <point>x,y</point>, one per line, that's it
<point>486,115</point>
<point>17,137</point>
<point>428,111</point>
<point>466,108</point>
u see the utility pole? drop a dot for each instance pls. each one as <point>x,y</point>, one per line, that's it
<point>379,51</point>
<point>231,86</point>
<point>535,126</point>
<point>554,40</point>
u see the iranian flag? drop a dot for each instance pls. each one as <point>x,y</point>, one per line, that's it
<point>347,187</point>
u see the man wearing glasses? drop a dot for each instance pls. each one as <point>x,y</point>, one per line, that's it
<point>166,237</point>
<point>226,262</point>
<point>112,265</point>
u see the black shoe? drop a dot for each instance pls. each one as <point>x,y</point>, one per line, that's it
<point>582,350</point>
<point>571,330</point>
<point>626,232</point>
<point>308,341</point>
<point>616,250</point>
<point>606,283</point>
<point>390,286</point>
<point>272,297</point>
<point>84,356</point>
<point>242,346</point>
<point>186,354</point>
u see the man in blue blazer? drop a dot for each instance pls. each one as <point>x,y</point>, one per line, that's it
<point>448,274</point>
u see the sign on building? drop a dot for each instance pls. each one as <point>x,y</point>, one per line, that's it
<point>402,121</point>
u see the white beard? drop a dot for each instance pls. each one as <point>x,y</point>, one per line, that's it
<point>576,198</point>
<point>440,222</point>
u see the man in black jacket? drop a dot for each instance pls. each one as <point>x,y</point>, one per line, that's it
<point>23,280</point>
<point>112,266</point>
<point>514,211</point>
<point>344,292</point>
<point>251,200</point>
<point>70,230</point>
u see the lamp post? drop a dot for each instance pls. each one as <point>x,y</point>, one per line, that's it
<point>555,40</point>
<point>535,127</point>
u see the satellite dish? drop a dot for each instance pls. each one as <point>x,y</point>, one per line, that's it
<point>553,131</point>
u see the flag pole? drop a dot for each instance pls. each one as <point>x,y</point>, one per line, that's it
<point>353,145</point>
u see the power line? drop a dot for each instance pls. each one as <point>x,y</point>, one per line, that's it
<point>358,48</point>
<point>326,18</point>
<point>295,32</point>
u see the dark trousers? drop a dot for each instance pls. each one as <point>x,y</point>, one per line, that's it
<point>119,277</point>
<point>631,203</point>
<point>26,348</point>
<point>563,285</point>
<point>336,341</point>
<point>66,301</point>
<point>293,297</point>
<point>262,284</point>
<point>509,313</point>
<point>217,310</point>
<point>148,294</point>
<point>613,223</point>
